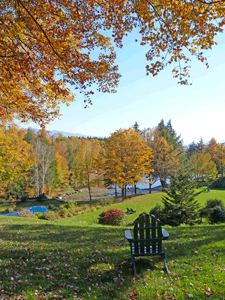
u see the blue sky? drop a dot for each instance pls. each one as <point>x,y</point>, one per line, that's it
<point>196,110</point>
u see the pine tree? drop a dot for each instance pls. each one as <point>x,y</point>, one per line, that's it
<point>170,134</point>
<point>200,146</point>
<point>192,149</point>
<point>136,127</point>
<point>180,204</point>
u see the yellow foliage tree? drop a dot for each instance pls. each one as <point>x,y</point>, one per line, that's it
<point>62,170</point>
<point>221,158</point>
<point>165,159</point>
<point>204,167</point>
<point>16,157</point>
<point>126,158</point>
<point>86,161</point>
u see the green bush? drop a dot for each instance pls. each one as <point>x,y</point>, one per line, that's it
<point>51,206</point>
<point>70,205</point>
<point>10,210</point>
<point>113,216</point>
<point>216,215</point>
<point>27,214</point>
<point>106,201</point>
<point>50,215</point>
<point>38,215</point>
<point>206,211</point>
<point>98,206</point>
<point>64,212</point>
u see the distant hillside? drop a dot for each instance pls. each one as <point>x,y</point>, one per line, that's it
<point>66,134</point>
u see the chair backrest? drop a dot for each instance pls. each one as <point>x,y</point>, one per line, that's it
<point>147,235</point>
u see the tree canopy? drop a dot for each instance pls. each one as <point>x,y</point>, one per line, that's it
<point>47,46</point>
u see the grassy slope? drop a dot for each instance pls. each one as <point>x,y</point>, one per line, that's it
<point>76,256</point>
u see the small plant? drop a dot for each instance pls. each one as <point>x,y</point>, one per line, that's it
<point>10,210</point>
<point>112,217</point>
<point>27,214</point>
<point>38,215</point>
<point>51,206</point>
<point>70,205</point>
<point>50,215</point>
<point>64,212</point>
<point>106,201</point>
<point>98,206</point>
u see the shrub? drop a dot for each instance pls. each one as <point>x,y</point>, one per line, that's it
<point>50,215</point>
<point>38,215</point>
<point>112,217</point>
<point>216,215</point>
<point>98,207</point>
<point>106,201</point>
<point>10,210</point>
<point>51,206</point>
<point>206,211</point>
<point>70,205</point>
<point>63,212</point>
<point>27,214</point>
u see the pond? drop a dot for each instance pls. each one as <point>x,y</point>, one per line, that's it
<point>33,209</point>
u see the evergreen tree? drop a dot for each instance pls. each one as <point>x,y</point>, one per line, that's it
<point>200,146</point>
<point>192,148</point>
<point>180,204</point>
<point>136,127</point>
<point>170,134</point>
<point>29,137</point>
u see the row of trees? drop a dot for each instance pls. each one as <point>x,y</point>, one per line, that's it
<point>36,163</point>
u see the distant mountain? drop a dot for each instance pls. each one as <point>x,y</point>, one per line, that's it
<point>64,133</point>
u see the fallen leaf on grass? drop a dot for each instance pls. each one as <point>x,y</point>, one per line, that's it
<point>189,295</point>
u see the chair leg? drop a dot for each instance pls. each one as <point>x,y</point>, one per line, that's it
<point>165,262</point>
<point>133,262</point>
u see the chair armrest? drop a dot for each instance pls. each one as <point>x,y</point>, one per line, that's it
<point>165,234</point>
<point>128,235</point>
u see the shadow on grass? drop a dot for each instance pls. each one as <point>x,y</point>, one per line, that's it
<point>82,261</point>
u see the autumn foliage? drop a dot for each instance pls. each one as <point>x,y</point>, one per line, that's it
<point>47,47</point>
<point>112,216</point>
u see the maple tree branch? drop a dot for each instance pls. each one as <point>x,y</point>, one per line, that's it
<point>10,56</point>
<point>42,30</point>
<point>214,2</point>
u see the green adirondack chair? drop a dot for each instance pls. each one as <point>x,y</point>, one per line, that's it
<point>148,237</point>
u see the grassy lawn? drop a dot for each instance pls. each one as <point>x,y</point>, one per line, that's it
<point>75,258</point>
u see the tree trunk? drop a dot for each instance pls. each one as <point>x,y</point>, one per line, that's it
<point>89,187</point>
<point>43,183</point>
<point>163,183</point>
<point>135,189</point>
<point>150,188</point>
<point>125,192</point>
<point>115,190</point>
<point>222,173</point>
<point>36,181</point>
